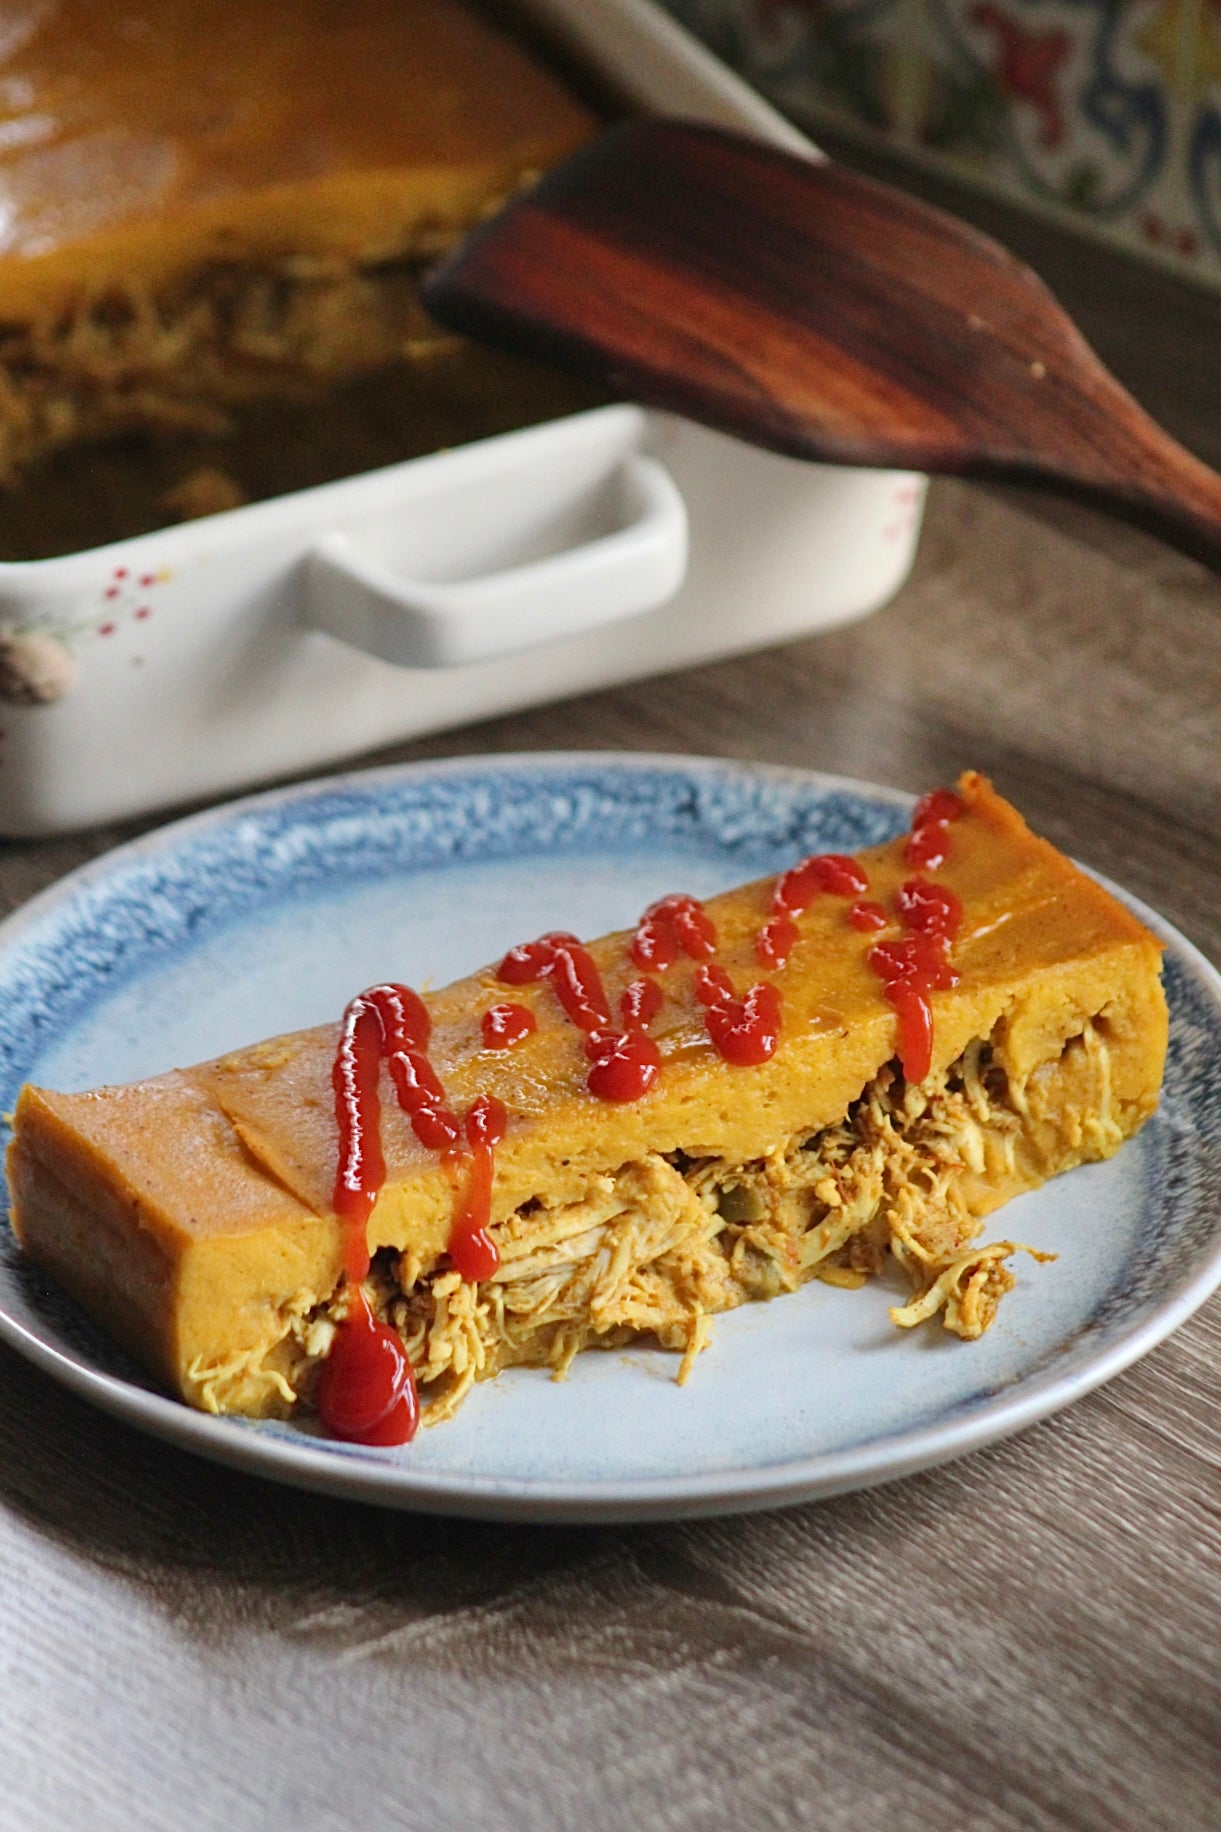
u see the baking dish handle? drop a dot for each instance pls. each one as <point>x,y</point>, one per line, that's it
<point>419,623</point>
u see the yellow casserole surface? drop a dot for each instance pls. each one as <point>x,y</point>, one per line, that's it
<point>143,139</point>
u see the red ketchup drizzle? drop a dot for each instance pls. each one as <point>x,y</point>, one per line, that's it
<point>560,957</point>
<point>531,960</point>
<point>795,891</point>
<point>366,1391</point>
<point>868,916</point>
<point>471,1247</point>
<point>505,1025</point>
<point>670,927</point>
<point>640,1004</point>
<point>918,963</point>
<point>835,872</point>
<point>362,1169</point>
<point>776,941</point>
<point>624,1064</point>
<point>713,985</point>
<point>389,1021</point>
<point>744,1031</point>
<point>928,844</point>
<point>932,909</point>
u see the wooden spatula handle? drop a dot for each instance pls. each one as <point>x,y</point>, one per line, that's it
<point>1158,484</point>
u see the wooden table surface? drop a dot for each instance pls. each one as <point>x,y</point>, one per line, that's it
<point>1026,1638</point>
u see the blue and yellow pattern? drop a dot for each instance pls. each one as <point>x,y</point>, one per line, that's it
<point>1107,112</point>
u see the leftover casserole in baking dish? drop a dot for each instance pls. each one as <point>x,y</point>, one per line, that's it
<point>216,215</point>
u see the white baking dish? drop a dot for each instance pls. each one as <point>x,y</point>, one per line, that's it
<point>607,545</point>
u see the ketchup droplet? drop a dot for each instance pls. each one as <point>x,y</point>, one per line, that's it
<point>422,1098</point>
<point>868,916</point>
<point>776,941</point>
<point>713,984</point>
<point>938,808</point>
<point>920,959</point>
<point>504,1025</point>
<point>572,970</point>
<point>928,845</point>
<point>625,1064</point>
<point>640,1004</point>
<point>933,909</point>
<point>918,962</point>
<point>579,987</point>
<point>927,848</point>
<point>361,1170</point>
<point>366,1388</point>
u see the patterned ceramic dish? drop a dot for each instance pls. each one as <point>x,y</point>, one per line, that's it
<point>1108,116</point>
<point>268,913</point>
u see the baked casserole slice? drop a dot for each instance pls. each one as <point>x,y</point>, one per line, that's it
<point>195,1215</point>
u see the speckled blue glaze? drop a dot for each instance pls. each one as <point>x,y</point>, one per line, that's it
<point>269,913</point>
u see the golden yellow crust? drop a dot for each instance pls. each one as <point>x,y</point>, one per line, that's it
<point>140,140</point>
<point>1048,1052</point>
<point>207,203</point>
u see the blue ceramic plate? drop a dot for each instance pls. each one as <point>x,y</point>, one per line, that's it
<point>267,914</point>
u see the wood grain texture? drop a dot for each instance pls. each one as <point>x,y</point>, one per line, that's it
<point>1026,1639</point>
<point>1159,331</point>
<point>818,313</point>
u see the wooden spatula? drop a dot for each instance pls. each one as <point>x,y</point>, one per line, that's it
<point>818,313</point>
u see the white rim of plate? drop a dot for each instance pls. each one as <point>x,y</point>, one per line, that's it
<point>345,1473</point>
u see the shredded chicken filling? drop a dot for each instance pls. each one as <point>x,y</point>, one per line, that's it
<point>658,1247</point>
<point>127,360</point>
